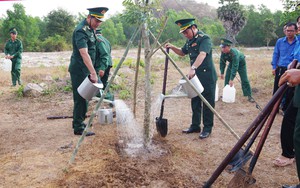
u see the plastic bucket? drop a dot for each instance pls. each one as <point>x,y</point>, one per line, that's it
<point>88,90</point>
<point>105,116</point>
<point>6,65</point>
<point>228,94</point>
<point>217,92</point>
<point>189,90</point>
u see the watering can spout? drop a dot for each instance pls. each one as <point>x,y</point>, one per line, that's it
<point>105,100</point>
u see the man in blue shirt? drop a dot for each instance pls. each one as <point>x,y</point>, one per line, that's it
<point>282,55</point>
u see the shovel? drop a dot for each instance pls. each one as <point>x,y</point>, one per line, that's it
<point>162,123</point>
<point>243,155</point>
<point>244,178</point>
<point>270,106</point>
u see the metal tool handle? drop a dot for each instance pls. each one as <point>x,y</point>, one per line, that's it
<point>164,84</point>
<point>264,136</point>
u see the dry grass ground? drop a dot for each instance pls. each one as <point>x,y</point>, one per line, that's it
<point>35,152</point>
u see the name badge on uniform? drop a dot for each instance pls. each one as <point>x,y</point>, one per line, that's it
<point>194,44</point>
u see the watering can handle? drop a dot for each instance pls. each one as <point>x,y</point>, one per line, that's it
<point>164,83</point>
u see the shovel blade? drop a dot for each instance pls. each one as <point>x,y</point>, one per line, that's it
<point>239,160</point>
<point>162,126</point>
<point>241,179</point>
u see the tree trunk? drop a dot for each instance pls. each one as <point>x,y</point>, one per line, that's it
<point>147,113</point>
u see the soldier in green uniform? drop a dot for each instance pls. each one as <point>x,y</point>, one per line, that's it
<point>83,63</point>
<point>237,63</point>
<point>103,60</point>
<point>292,77</point>
<point>199,48</point>
<point>13,50</point>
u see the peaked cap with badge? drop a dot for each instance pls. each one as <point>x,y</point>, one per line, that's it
<point>225,42</point>
<point>98,12</point>
<point>185,24</point>
<point>13,30</point>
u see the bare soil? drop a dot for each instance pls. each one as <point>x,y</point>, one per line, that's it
<point>35,151</point>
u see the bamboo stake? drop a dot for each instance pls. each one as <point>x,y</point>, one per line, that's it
<point>136,76</point>
<point>157,38</point>
<point>102,97</point>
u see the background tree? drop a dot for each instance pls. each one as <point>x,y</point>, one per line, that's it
<point>291,11</point>
<point>253,34</point>
<point>60,22</point>
<point>34,31</point>
<point>233,17</point>
<point>268,28</point>
<point>114,32</point>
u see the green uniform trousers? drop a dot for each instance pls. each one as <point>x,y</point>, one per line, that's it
<point>208,115</point>
<point>80,104</point>
<point>244,78</point>
<point>104,80</point>
<point>16,71</point>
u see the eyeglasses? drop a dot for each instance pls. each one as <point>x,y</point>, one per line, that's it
<point>290,31</point>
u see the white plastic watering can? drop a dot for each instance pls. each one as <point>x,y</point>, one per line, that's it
<point>88,89</point>
<point>189,90</point>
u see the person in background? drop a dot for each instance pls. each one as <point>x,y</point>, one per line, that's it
<point>83,63</point>
<point>103,60</point>
<point>287,156</point>
<point>282,57</point>
<point>199,48</point>
<point>13,50</point>
<point>298,25</point>
<point>237,63</point>
<point>292,78</point>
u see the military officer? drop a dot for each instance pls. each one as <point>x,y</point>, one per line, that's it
<point>13,50</point>
<point>199,48</point>
<point>103,59</point>
<point>83,63</point>
<point>237,63</point>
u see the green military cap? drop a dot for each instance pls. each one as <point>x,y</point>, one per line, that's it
<point>98,12</point>
<point>98,31</point>
<point>185,23</point>
<point>13,30</point>
<point>225,42</point>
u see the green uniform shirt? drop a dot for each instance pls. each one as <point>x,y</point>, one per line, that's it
<point>83,37</point>
<point>103,53</point>
<point>14,48</point>
<point>235,59</point>
<point>206,72</point>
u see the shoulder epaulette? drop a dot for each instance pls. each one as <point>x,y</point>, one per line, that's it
<point>100,40</point>
<point>85,27</point>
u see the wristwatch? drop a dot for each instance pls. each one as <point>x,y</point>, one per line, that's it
<point>193,67</point>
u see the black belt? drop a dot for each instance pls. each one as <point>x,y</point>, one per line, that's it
<point>279,67</point>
